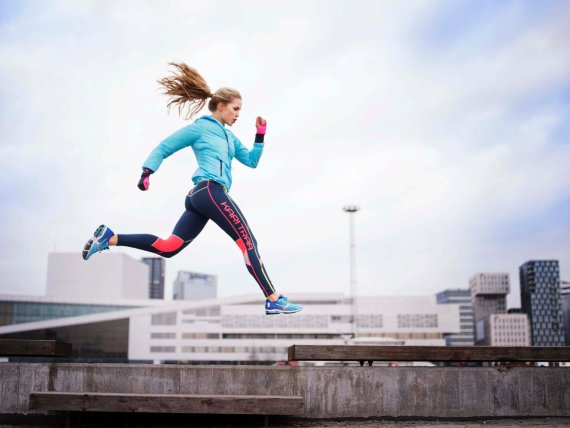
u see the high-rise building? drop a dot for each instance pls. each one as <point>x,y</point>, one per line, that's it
<point>541,301</point>
<point>108,276</point>
<point>565,294</point>
<point>195,286</point>
<point>461,297</point>
<point>489,293</point>
<point>155,276</point>
<point>488,296</point>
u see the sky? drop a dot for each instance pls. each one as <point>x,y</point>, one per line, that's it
<point>446,122</point>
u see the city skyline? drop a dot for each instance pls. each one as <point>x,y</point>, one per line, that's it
<point>446,122</point>
<point>481,307</point>
<point>169,291</point>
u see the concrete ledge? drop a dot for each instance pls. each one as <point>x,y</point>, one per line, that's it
<point>328,392</point>
<point>167,403</point>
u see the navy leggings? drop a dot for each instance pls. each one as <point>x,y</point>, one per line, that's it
<point>208,200</point>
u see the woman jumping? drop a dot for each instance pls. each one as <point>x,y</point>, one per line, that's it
<point>214,147</point>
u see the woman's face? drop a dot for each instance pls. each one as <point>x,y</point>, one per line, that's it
<point>230,112</point>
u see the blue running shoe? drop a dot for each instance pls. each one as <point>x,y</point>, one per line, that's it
<point>99,242</point>
<point>281,306</point>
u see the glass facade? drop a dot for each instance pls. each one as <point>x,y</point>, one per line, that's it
<point>541,301</point>
<point>105,341</point>
<point>461,297</point>
<point>13,312</point>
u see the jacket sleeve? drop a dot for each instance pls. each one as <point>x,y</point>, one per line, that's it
<point>184,137</point>
<point>248,157</point>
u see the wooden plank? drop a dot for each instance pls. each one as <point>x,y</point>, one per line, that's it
<point>428,353</point>
<point>168,403</point>
<point>36,348</point>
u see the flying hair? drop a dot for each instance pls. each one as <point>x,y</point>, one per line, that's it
<point>188,91</point>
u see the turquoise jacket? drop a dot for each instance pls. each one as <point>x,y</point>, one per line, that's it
<point>214,147</point>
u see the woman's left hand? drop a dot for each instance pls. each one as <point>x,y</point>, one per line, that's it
<point>261,125</point>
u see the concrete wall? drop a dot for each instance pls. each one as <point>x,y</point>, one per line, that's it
<point>438,392</point>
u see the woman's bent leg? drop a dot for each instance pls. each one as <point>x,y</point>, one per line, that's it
<point>217,205</point>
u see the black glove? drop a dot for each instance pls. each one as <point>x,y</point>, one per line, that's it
<point>144,182</point>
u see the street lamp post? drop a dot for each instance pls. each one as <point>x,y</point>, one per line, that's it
<point>351,209</point>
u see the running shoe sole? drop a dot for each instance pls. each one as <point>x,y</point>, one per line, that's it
<point>89,244</point>
<point>277,312</point>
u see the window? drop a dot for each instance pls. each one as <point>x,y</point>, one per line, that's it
<point>369,321</point>
<point>163,335</point>
<point>417,320</point>
<point>168,318</point>
<point>200,336</point>
<point>162,349</point>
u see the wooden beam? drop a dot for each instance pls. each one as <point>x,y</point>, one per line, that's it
<point>167,403</point>
<point>36,348</point>
<point>428,353</point>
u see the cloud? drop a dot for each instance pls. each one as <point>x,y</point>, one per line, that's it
<point>450,140</point>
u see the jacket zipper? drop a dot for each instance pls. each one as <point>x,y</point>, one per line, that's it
<point>227,142</point>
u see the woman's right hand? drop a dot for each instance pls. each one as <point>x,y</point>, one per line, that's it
<point>144,182</point>
<point>261,125</point>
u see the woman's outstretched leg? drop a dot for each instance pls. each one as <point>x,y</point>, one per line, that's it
<point>188,227</point>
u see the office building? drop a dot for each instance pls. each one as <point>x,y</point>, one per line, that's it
<point>489,293</point>
<point>195,286</point>
<point>112,276</point>
<point>565,296</point>
<point>156,267</point>
<point>488,296</point>
<point>541,301</point>
<point>236,329</point>
<point>509,329</point>
<point>461,297</point>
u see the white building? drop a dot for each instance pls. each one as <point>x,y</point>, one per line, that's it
<point>236,329</point>
<point>242,332</point>
<point>195,286</point>
<point>506,330</point>
<point>462,297</point>
<point>489,283</point>
<point>107,276</point>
